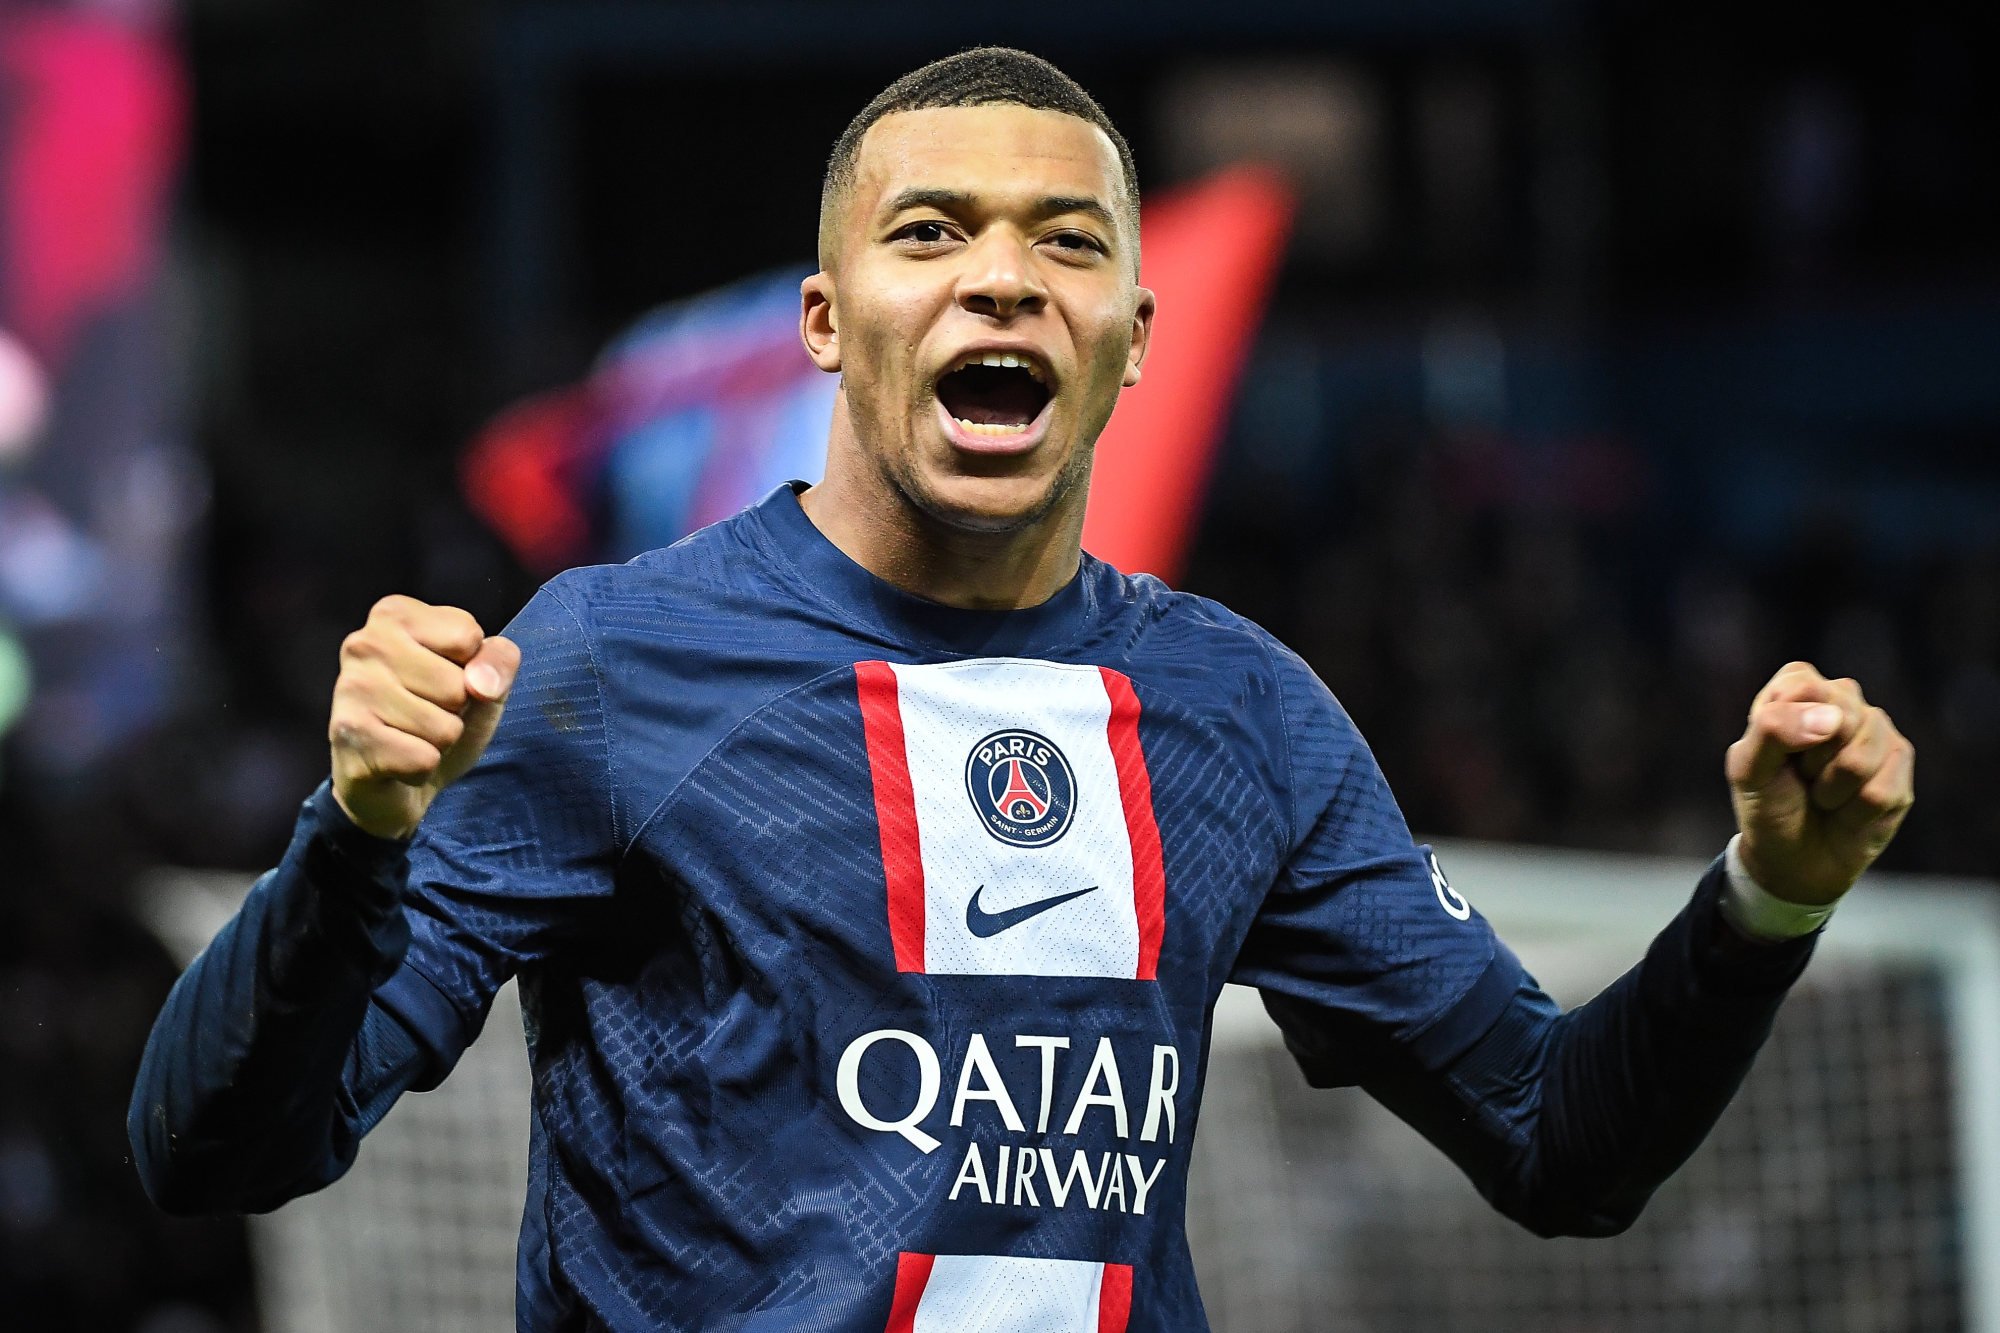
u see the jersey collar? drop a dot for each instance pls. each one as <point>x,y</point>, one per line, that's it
<point>884,609</point>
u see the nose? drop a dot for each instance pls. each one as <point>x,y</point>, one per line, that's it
<point>999,279</point>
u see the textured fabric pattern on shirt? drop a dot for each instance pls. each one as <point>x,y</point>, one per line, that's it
<point>677,848</point>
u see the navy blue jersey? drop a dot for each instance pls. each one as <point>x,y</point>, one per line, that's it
<point>868,947</point>
<point>853,928</point>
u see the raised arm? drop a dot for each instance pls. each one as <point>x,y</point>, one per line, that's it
<point>271,1057</point>
<point>1568,1122</point>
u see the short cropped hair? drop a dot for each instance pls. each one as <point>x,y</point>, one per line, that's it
<point>982,76</point>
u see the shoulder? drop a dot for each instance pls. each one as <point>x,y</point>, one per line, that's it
<point>1198,639</point>
<point>1242,678</point>
<point>717,590</point>
<point>678,647</point>
<point>696,611</point>
<point>714,561</point>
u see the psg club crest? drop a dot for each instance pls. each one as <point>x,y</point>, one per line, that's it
<point>1022,788</point>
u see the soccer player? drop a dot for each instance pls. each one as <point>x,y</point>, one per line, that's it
<point>871,861</point>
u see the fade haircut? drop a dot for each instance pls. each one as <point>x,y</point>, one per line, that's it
<point>982,76</point>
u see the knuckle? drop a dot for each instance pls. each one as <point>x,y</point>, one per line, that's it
<point>355,733</point>
<point>415,759</point>
<point>1888,791</point>
<point>452,629</point>
<point>359,646</point>
<point>396,607</point>
<point>360,682</point>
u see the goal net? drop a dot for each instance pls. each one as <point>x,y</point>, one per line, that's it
<point>1854,1184</point>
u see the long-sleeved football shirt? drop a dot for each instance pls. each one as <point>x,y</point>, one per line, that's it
<point>868,949</point>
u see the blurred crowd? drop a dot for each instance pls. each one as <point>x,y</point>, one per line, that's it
<point>1563,662</point>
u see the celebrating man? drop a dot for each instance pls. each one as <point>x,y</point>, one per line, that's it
<point>871,862</point>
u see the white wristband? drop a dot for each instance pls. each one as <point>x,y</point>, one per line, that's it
<point>1760,914</point>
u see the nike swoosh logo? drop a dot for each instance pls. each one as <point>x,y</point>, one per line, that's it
<point>988,924</point>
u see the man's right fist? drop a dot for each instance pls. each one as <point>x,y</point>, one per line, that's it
<point>421,689</point>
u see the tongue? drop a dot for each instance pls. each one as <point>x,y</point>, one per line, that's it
<point>992,396</point>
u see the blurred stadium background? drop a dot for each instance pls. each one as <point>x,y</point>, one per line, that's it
<point>1615,351</point>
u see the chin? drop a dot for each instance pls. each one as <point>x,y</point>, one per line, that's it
<point>989,504</point>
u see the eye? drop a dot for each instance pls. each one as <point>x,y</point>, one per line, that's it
<point>1076,242</point>
<point>930,232</point>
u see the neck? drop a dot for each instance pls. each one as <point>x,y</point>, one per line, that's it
<point>877,525</point>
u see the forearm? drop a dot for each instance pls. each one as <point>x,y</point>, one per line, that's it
<point>1569,1122</point>
<point>258,1078</point>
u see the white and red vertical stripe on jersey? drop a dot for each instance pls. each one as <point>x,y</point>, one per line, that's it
<point>1089,898</point>
<point>979,1293</point>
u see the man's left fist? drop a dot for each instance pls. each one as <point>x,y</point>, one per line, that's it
<point>1820,780</point>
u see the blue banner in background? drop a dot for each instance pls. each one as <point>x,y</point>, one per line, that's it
<point>708,404</point>
<point>691,414</point>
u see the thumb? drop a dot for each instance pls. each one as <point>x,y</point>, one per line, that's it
<point>490,673</point>
<point>489,676</point>
<point>1776,732</point>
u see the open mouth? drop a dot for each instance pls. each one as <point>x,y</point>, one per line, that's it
<point>994,394</point>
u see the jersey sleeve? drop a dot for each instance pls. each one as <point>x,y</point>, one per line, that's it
<point>268,1061</point>
<point>1568,1122</point>
<point>1366,957</point>
<point>360,967</point>
<point>518,855</point>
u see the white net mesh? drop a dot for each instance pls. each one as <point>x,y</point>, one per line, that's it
<point>1854,1184</point>
<point>420,1234</point>
<point>1826,1199</point>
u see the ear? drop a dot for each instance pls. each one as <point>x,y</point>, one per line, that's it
<point>1142,335</point>
<point>818,325</point>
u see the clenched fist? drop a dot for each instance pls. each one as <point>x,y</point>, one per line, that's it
<point>421,689</point>
<point>1820,781</point>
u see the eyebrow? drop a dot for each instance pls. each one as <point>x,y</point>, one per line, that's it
<point>1052,205</point>
<point>1056,204</point>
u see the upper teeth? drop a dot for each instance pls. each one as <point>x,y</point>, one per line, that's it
<point>1004,360</point>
